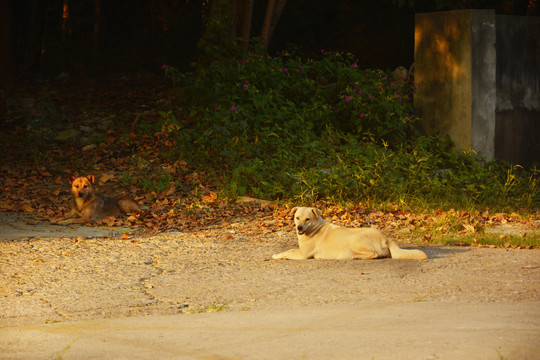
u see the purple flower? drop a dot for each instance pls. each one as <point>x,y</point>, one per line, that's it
<point>347,98</point>
<point>286,69</point>
<point>233,108</point>
<point>353,65</point>
<point>361,115</point>
<point>164,66</point>
<point>301,68</point>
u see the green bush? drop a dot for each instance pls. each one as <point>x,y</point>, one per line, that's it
<point>263,94</point>
<point>305,129</point>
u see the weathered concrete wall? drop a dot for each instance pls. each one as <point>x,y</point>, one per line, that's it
<point>455,67</point>
<point>484,95</point>
<point>517,136</point>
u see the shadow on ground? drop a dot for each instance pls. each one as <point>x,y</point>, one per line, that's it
<point>15,226</point>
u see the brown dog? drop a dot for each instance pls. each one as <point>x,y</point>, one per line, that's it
<point>89,205</point>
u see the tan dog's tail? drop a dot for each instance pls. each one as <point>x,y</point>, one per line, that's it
<point>398,253</point>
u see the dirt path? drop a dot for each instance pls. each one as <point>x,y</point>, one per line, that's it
<point>59,279</point>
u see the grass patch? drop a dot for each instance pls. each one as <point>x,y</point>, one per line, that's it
<point>496,240</point>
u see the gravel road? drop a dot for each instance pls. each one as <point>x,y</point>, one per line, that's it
<point>91,298</point>
<point>58,279</point>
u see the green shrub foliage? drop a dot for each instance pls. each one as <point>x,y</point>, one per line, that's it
<point>311,129</point>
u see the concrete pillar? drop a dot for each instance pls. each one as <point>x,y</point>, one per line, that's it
<point>455,71</point>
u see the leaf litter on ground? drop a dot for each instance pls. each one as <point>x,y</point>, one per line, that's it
<point>33,177</point>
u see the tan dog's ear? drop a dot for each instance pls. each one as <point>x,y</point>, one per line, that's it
<point>91,178</point>
<point>71,178</point>
<point>316,212</point>
<point>293,211</point>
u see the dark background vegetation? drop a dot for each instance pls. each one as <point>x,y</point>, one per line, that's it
<point>121,36</point>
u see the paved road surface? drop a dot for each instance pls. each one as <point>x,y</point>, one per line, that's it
<point>373,331</point>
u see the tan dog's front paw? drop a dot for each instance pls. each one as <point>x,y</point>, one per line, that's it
<point>293,254</point>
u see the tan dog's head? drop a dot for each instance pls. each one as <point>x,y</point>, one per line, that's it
<point>306,219</point>
<point>81,187</point>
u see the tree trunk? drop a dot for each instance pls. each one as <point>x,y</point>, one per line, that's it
<point>246,23</point>
<point>66,30</point>
<point>8,63</point>
<point>273,13</point>
<point>95,38</point>
<point>265,33</point>
<point>7,43</point>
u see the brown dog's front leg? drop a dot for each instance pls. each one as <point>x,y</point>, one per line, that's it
<point>66,219</point>
<point>76,217</point>
<point>72,221</point>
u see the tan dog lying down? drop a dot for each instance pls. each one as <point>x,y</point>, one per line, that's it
<point>319,239</point>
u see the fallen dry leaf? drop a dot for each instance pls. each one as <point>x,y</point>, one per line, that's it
<point>104,178</point>
<point>27,208</point>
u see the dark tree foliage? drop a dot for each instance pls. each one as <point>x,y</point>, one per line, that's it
<point>96,36</point>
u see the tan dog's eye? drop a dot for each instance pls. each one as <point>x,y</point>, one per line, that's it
<point>308,220</point>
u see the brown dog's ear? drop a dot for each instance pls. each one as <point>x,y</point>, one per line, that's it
<point>91,178</point>
<point>71,178</point>
<point>316,212</point>
<point>293,211</point>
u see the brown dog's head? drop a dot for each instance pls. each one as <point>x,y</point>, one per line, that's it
<point>306,219</point>
<point>81,187</point>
